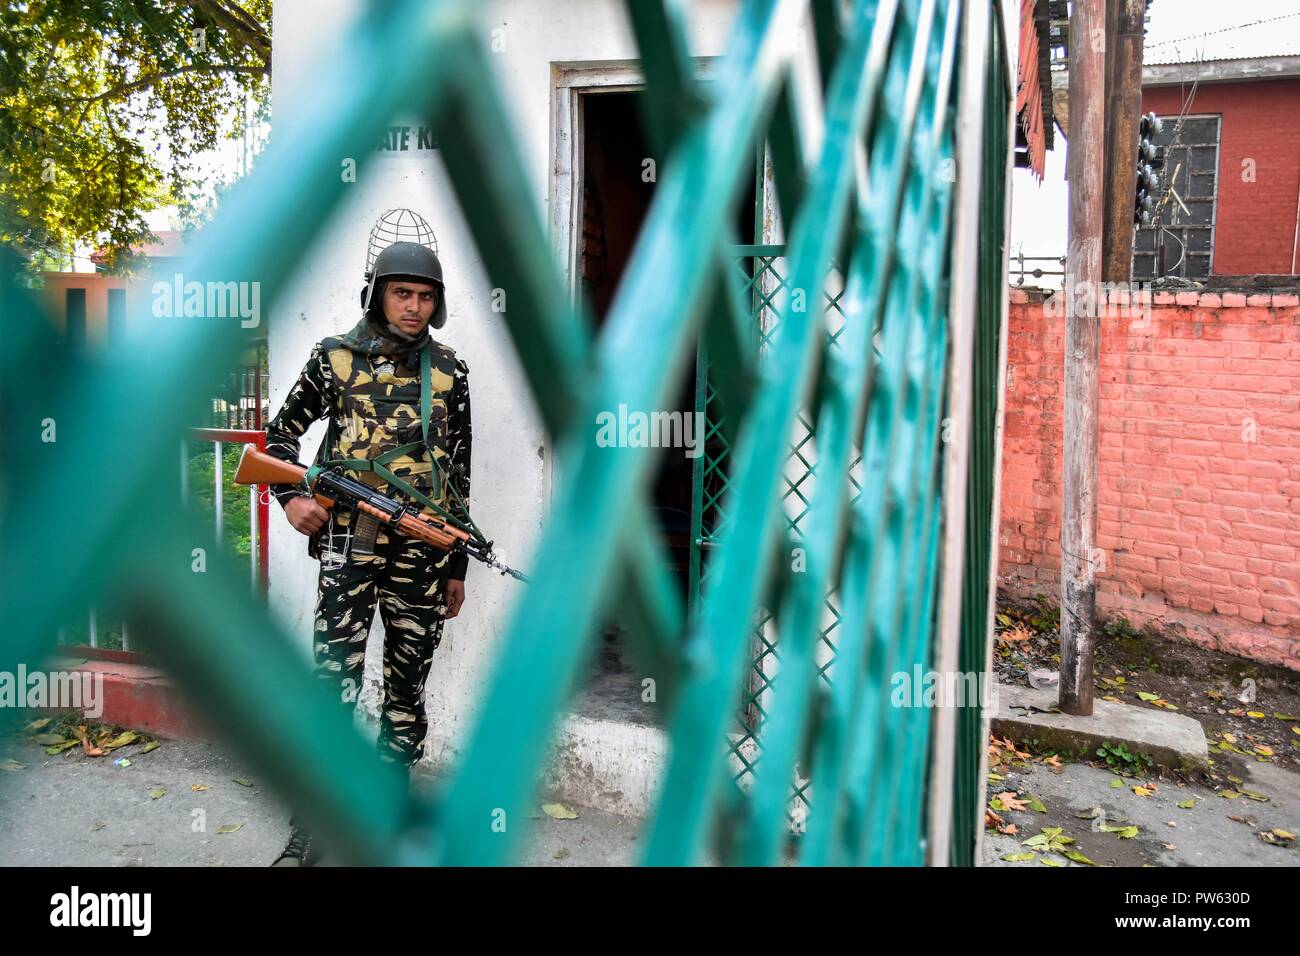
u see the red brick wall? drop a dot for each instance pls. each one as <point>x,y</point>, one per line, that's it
<point>1199,472</point>
<point>1255,223</point>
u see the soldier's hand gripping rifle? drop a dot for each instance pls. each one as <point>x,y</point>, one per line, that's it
<point>335,487</point>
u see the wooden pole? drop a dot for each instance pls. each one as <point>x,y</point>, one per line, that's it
<point>1084,171</point>
<point>1124,34</point>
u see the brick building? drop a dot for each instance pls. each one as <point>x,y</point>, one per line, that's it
<point>1198,518</point>
<point>1235,166</point>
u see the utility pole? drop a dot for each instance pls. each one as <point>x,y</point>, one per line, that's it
<point>1125,25</point>
<point>1085,172</point>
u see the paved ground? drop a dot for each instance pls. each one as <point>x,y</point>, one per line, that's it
<point>1167,834</point>
<point>74,810</point>
<point>80,811</point>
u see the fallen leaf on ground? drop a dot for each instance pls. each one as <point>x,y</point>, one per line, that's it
<point>199,787</point>
<point>1147,695</point>
<point>1124,833</point>
<point>1078,857</point>
<point>151,745</point>
<point>1116,783</point>
<point>1020,857</point>
<point>36,725</point>
<point>1009,801</point>
<point>242,782</point>
<point>558,811</point>
<point>1050,861</point>
<point>1187,805</point>
<point>155,794</point>
<point>121,740</point>
<point>230,828</point>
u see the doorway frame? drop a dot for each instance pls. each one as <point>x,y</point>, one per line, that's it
<point>570,82</point>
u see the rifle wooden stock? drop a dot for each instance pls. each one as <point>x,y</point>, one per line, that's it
<point>259,468</point>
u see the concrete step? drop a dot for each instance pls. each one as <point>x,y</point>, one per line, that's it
<point>1172,740</point>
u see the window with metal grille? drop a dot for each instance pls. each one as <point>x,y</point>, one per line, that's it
<point>1180,240</point>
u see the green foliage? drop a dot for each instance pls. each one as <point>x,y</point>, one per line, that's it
<point>236,533</point>
<point>104,106</point>
<point>1119,759</point>
<point>1119,628</point>
<point>1045,748</point>
<point>1047,617</point>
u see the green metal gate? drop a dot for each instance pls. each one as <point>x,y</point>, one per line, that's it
<point>875,201</point>
<point>761,282</point>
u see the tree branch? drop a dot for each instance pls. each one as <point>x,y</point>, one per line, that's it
<point>147,81</point>
<point>240,23</point>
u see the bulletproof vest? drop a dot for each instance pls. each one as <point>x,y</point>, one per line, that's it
<point>378,410</point>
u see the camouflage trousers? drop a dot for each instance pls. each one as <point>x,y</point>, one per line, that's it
<point>406,578</point>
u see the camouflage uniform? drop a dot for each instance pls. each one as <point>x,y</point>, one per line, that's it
<point>368,386</point>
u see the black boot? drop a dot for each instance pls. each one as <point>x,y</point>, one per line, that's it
<point>300,850</point>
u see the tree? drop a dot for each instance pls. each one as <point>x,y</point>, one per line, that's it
<point>104,105</point>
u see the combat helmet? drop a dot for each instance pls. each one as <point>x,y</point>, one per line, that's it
<point>402,246</point>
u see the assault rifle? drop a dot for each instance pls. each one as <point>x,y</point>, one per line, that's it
<point>335,487</point>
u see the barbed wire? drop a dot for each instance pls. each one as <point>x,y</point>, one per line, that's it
<point>1239,26</point>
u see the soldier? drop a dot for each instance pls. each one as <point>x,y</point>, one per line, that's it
<point>368,383</point>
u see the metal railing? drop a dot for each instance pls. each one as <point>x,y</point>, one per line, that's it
<point>259,496</point>
<point>875,200</point>
<point>117,630</point>
<point>1019,273</point>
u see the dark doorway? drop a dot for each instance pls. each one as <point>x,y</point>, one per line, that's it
<point>617,189</point>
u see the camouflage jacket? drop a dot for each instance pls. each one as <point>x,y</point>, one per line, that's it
<point>372,402</point>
